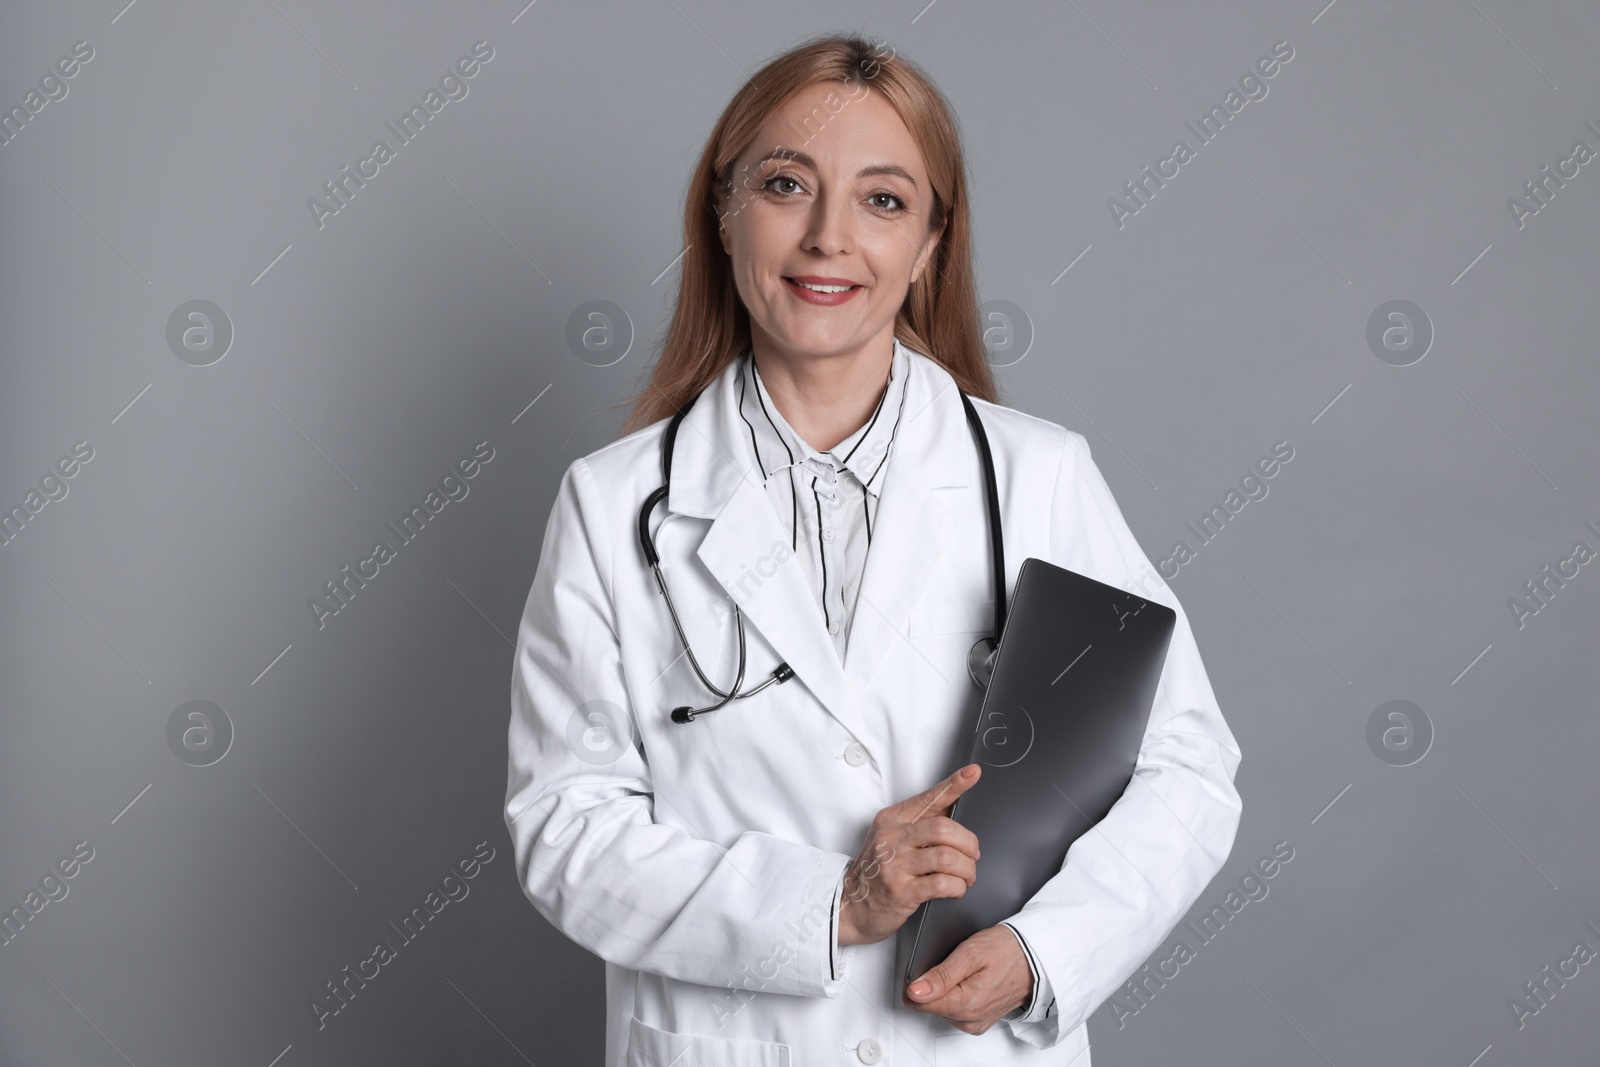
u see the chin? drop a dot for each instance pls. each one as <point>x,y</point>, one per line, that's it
<point>815,346</point>
<point>821,334</point>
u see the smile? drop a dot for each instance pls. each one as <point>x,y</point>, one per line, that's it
<point>825,293</point>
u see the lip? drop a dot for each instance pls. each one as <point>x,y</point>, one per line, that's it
<point>825,299</point>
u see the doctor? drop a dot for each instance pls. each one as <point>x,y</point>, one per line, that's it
<point>746,872</point>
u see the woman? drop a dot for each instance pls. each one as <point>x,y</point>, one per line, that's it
<point>741,872</point>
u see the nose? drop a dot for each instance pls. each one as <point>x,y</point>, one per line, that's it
<point>832,224</point>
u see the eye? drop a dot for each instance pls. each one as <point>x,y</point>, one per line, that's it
<point>770,182</point>
<point>900,205</point>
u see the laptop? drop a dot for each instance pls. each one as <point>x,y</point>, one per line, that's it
<point>1058,734</point>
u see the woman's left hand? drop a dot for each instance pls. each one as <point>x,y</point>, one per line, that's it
<point>985,978</point>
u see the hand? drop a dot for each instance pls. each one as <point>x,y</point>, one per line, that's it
<point>985,978</point>
<point>913,852</point>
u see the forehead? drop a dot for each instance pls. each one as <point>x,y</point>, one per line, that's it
<point>842,127</point>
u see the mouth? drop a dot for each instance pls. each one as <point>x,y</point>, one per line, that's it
<point>825,291</point>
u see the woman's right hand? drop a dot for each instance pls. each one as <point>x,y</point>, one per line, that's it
<point>913,852</point>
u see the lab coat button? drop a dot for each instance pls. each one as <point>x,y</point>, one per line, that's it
<point>869,1051</point>
<point>833,627</point>
<point>855,754</point>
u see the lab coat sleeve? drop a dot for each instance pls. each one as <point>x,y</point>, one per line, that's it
<point>1128,881</point>
<point>839,956</point>
<point>580,806</point>
<point>1043,1000</point>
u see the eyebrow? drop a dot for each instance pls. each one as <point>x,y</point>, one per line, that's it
<point>804,160</point>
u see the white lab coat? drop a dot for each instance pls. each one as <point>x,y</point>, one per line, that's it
<point>700,860</point>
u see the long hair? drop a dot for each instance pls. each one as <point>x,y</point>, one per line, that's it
<point>710,326</point>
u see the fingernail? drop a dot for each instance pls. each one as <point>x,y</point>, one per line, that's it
<point>919,989</point>
<point>968,771</point>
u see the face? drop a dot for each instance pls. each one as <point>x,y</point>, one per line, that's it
<point>831,192</point>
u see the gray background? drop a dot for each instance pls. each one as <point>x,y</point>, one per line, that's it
<point>1230,313</point>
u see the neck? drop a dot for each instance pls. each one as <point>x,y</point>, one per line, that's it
<point>825,398</point>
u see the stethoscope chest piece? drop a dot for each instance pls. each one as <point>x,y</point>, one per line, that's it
<point>980,661</point>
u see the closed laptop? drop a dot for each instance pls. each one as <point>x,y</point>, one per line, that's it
<point>1058,735</point>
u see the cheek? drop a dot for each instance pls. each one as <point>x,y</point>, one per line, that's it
<point>752,255</point>
<point>745,268</point>
<point>754,285</point>
<point>748,243</point>
<point>891,258</point>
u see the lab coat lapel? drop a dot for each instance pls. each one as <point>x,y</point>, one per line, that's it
<point>747,550</point>
<point>914,521</point>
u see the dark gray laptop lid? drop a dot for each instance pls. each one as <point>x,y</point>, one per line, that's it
<point>1058,735</point>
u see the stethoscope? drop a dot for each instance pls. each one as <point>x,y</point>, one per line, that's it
<point>980,658</point>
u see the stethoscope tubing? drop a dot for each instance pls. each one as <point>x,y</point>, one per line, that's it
<point>978,663</point>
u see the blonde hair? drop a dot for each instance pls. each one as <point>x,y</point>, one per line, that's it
<point>710,326</point>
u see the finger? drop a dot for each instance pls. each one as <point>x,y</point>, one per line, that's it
<point>936,800</point>
<point>943,978</point>
<point>942,859</point>
<point>929,886</point>
<point>928,988</point>
<point>958,1007</point>
<point>961,1005</point>
<point>942,830</point>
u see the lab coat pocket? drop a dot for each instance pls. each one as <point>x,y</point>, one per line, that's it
<point>650,1047</point>
<point>971,616</point>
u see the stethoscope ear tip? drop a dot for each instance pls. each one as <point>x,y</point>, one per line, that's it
<point>682,714</point>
